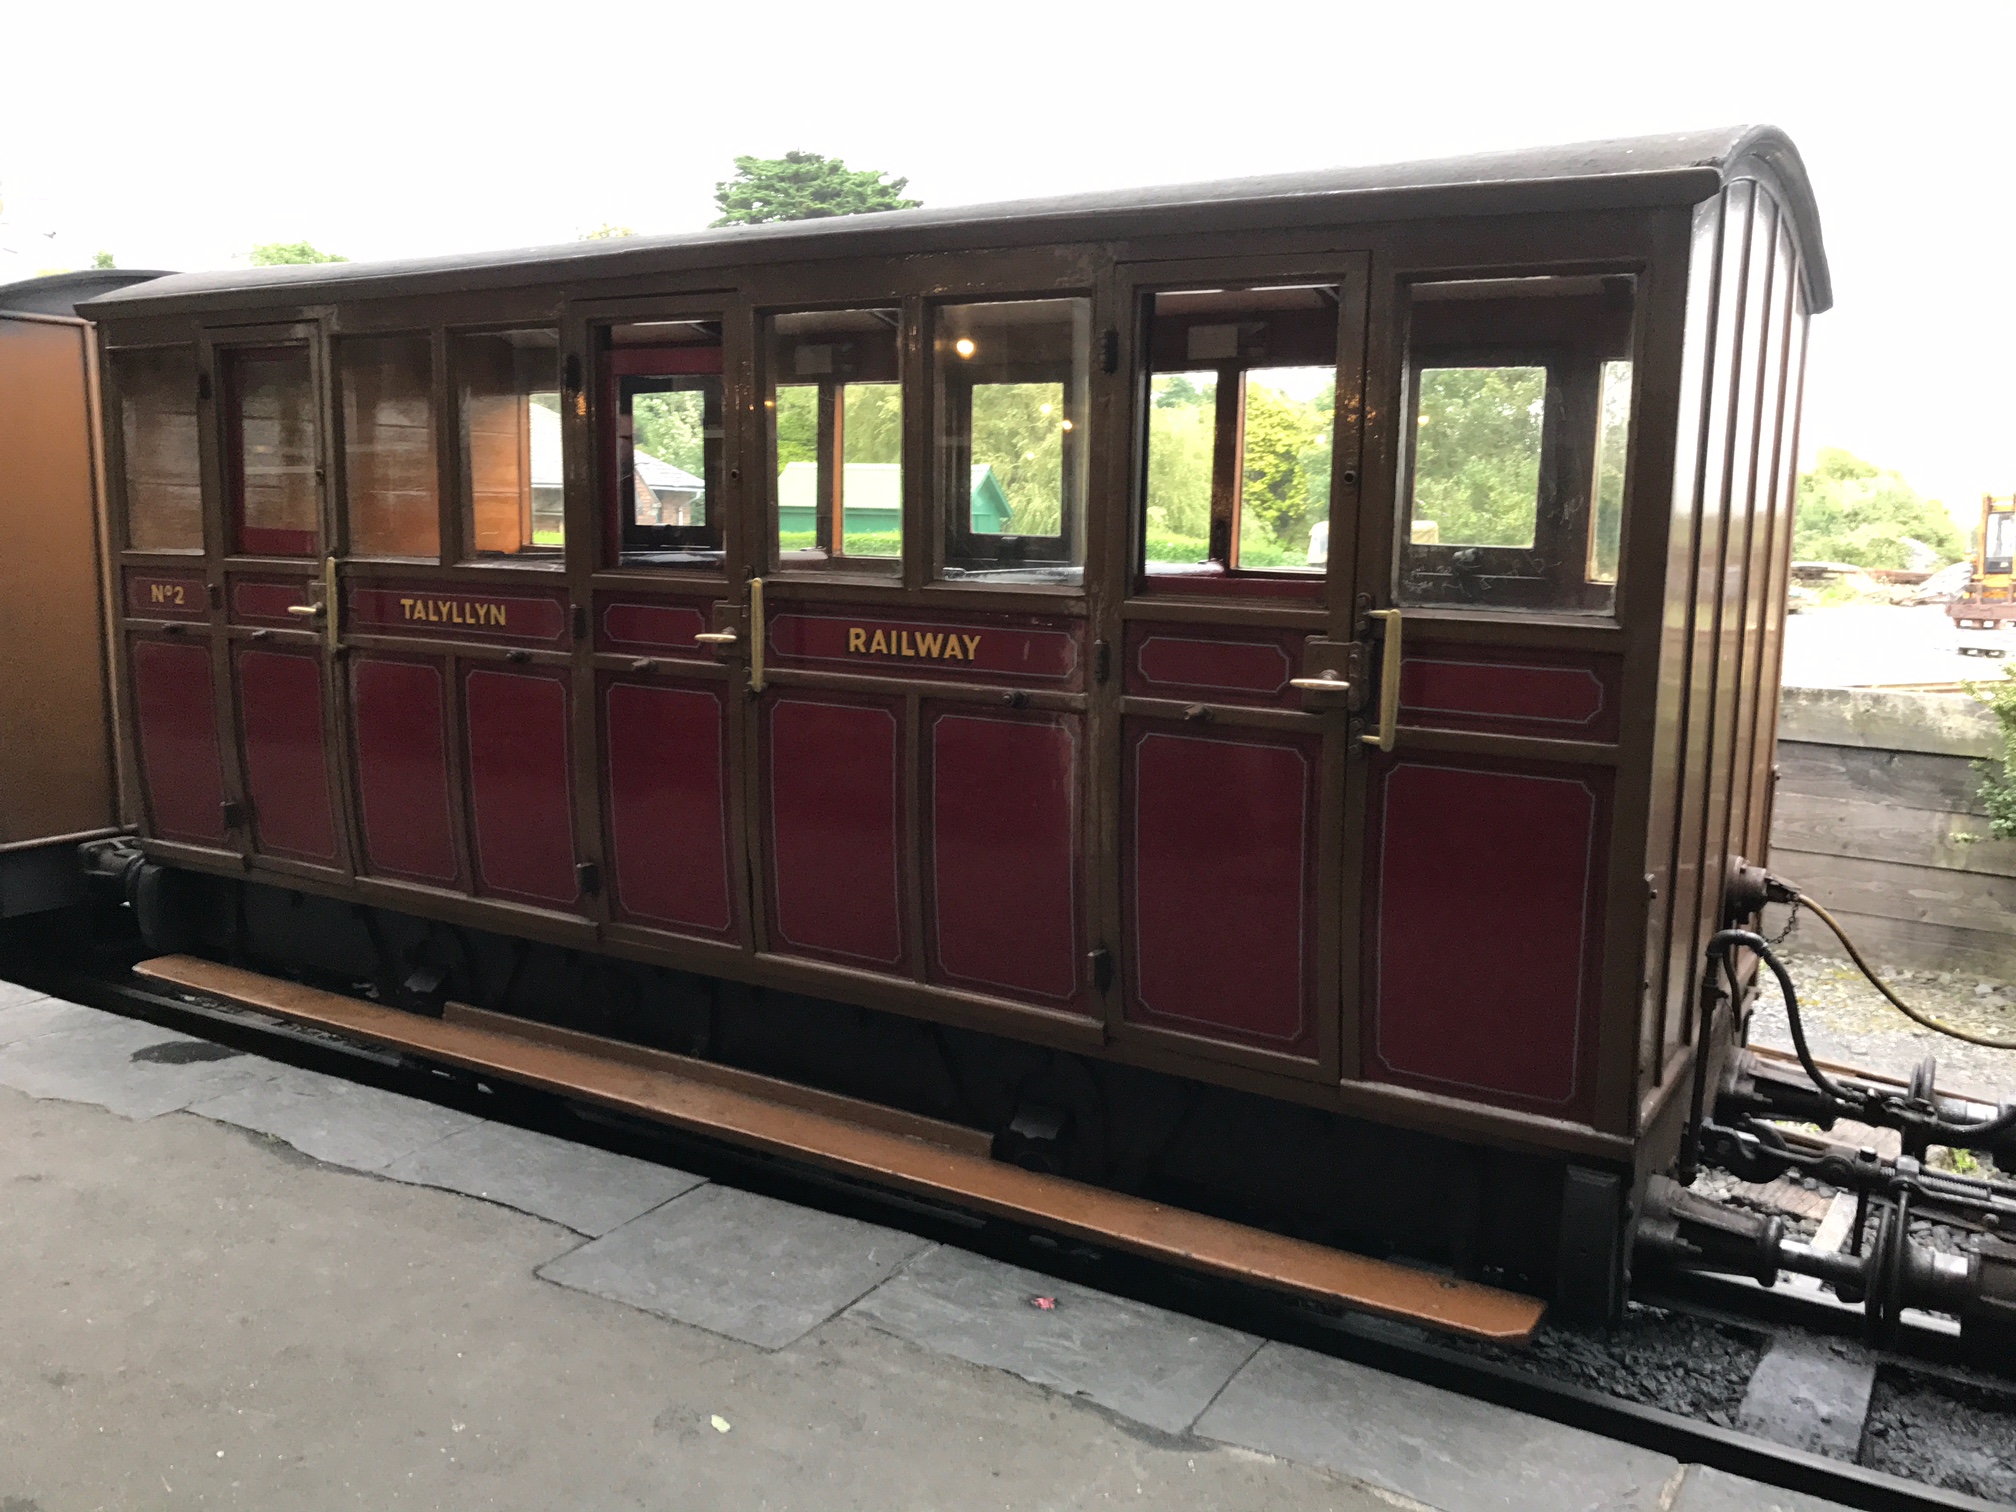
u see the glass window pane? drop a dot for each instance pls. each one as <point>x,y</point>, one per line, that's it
<point>1010,382</point>
<point>1613,431</point>
<point>1477,455</point>
<point>1242,401</point>
<point>1517,438</point>
<point>157,426</point>
<point>836,431</point>
<point>509,395</point>
<point>388,446</point>
<point>662,476</point>
<point>272,452</point>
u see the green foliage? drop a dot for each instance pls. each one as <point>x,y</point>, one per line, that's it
<point>871,422</point>
<point>1854,511</point>
<point>804,186</point>
<point>1018,430</point>
<point>670,427</point>
<point>1477,453</point>
<point>1286,486</point>
<point>103,260</point>
<point>1998,787</point>
<point>1287,479</point>
<point>287,254</point>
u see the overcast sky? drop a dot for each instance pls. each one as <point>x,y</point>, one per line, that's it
<point>177,136</point>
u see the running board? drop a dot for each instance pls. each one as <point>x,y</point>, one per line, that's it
<point>882,1146</point>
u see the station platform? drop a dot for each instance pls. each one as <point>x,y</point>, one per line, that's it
<point>234,1283</point>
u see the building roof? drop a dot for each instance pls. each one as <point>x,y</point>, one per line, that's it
<point>1680,168</point>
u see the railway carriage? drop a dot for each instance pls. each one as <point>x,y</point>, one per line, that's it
<point>1248,694</point>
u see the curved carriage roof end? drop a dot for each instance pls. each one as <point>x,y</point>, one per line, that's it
<point>1680,168</point>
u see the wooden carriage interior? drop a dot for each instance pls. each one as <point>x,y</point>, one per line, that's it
<point>800,606</point>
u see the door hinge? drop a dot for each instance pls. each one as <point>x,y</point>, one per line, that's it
<point>1102,660</point>
<point>1101,962</point>
<point>580,622</point>
<point>1109,351</point>
<point>234,814</point>
<point>589,876</point>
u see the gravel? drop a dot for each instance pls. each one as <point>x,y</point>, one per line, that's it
<point>1942,1433</point>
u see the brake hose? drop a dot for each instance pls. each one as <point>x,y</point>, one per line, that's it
<point>1916,1015</point>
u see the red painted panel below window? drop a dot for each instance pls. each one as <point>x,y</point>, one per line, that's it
<point>286,759</point>
<point>520,793</point>
<point>651,625</point>
<point>268,602</point>
<point>400,718</point>
<point>153,595</point>
<point>668,804</point>
<point>1164,662</point>
<point>1005,856</point>
<point>1219,885</point>
<point>1485,918</point>
<point>835,877</point>
<point>175,707</point>
<point>1570,696</point>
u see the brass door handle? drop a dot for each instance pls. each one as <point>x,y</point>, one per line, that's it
<point>718,638</point>
<point>1389,682</point>
<point>1328,682</point>
<point>307,611</point>
<point>756,635</point>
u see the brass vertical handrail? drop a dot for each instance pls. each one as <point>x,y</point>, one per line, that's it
<point>1389,682</point>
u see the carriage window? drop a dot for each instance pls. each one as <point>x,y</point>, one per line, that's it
<point>836,434</point>
<point>1242,401</point>
<point>509,391</point>
<point>1516,437</point>
<point>662,456</point>
<point>157,426</point>
<point>270,450</point>
<point>388,446</point>
<point>1009,393</point>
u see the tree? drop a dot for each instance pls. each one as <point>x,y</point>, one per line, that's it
<point>103,260</point>
<point>286,254</point>
<point>804,186</point>
<point>1477,453</point>
<point>1854,511</point>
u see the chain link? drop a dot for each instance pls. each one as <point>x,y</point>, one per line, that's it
<point>1791,920</point>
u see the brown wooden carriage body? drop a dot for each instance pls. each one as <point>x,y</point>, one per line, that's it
<point>1106,819</point>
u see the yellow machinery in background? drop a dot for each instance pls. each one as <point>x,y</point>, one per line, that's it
<point>1989,604</point>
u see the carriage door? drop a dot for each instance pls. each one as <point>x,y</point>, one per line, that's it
<point>1235,726</point>
<point>277,580</point>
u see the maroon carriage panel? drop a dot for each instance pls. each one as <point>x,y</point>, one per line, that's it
<point>280,717</point>
<point>1005,854</point>
<point>520,787</point>
<point>1217,665</point>
<point>630,626</point>
<point>1484,931</point>
<point>161,595</point>
<point>668,804</point>
<point>399,712</point>
<point>835,841</point>
<point>1219,878</point>
<point>175,707</point>
<point>267,601</point>
<point>428,610</point>
<point>1021,649</point>
<point>1558,695</point>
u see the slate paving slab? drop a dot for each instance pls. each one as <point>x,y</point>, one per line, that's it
<point>13,994</point>
<point>588,1190</point>
<point>1156,1367</point>
<point>335,1121</point>
<point>1707,1490</point>
<point>134,1069</point>
<point>25,1017</point>
<point>1455,1454</point>
<point>1812,1394</point>
<point>737,1263</point>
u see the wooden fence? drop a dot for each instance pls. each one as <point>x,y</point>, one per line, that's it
<point>1878,815</point>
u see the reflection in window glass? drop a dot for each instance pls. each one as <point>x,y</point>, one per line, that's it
<point>272,450</point>
<point>1517,438</point>
<point>836,412</point>
<point>1477,455</point>
<point>157,426</point>
<point>1242,403</point>
<point>1613,422</point>
<point>509,395</point>
<point>1010,383</point>
<point>388,446</point>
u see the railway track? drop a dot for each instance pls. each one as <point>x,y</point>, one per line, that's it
<point>1540,1381</point>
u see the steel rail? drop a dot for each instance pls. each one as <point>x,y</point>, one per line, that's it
<point>1398,1349</point>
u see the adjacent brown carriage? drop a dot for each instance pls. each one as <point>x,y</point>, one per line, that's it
<point>941,612</point>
